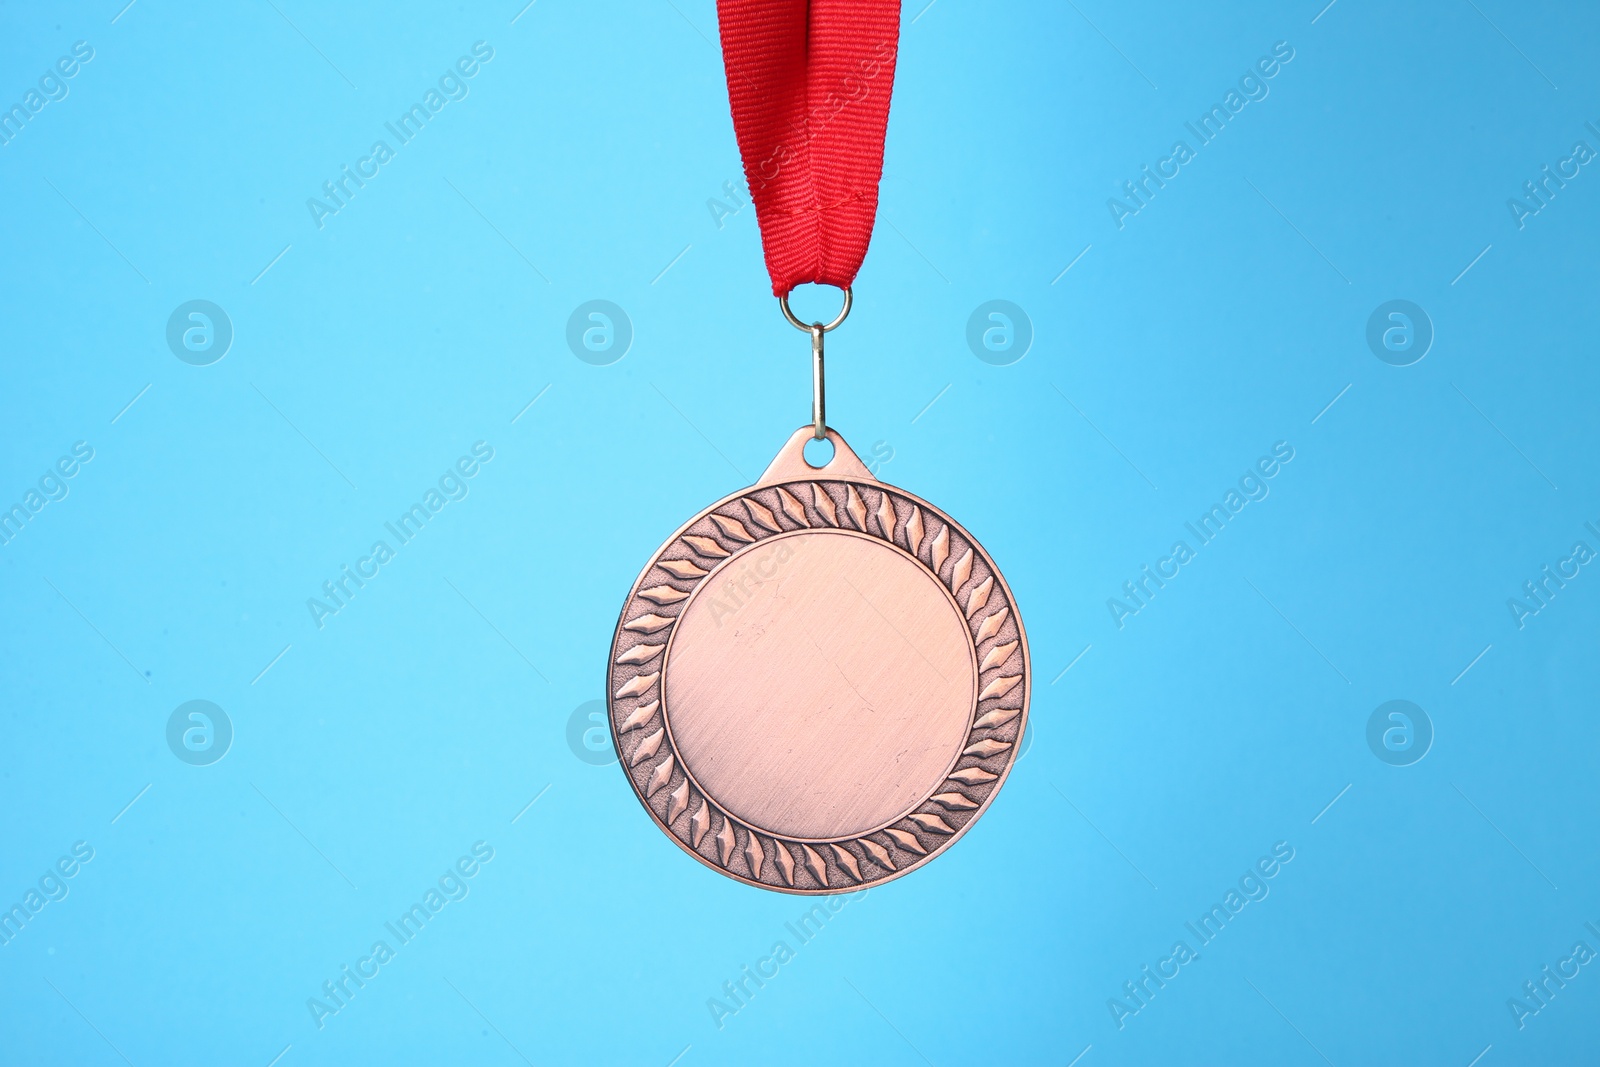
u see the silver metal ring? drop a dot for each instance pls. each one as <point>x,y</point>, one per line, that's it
<point>783,302</point>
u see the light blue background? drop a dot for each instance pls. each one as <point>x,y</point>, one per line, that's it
<point>425,716</point>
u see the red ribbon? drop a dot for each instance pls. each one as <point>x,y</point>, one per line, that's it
<point>809,83</point>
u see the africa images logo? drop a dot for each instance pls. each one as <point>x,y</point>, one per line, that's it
<point>589,734</point>
<point>599,332</point>
<point>1139,592</point>
<point>52,87</point>
<point>1399,733</point>
<point>1399,332</point>
<point>199,733</point>
<point>999,332</point>
<point>199,332</point>
<point>453,485</point>
<point>453,885</point>
<point>1253,87</point>
<point>52,486</point>
<point>1252,887</point>
<point>452,85</point>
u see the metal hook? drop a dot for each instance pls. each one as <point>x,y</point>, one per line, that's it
<point>819,407</point>
<point>819,415</point>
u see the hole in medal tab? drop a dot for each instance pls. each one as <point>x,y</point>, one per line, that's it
<point>818,454</point>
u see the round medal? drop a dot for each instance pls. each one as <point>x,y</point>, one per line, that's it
<point>819,682</point>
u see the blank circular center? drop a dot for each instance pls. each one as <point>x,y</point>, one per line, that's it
<point>819,684</point>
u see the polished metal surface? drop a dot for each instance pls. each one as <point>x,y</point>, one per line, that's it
<point>818,683</point>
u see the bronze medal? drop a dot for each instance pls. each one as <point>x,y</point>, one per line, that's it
<point>819,682</point>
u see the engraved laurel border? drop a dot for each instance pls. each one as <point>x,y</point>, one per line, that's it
<point>721,532</point>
